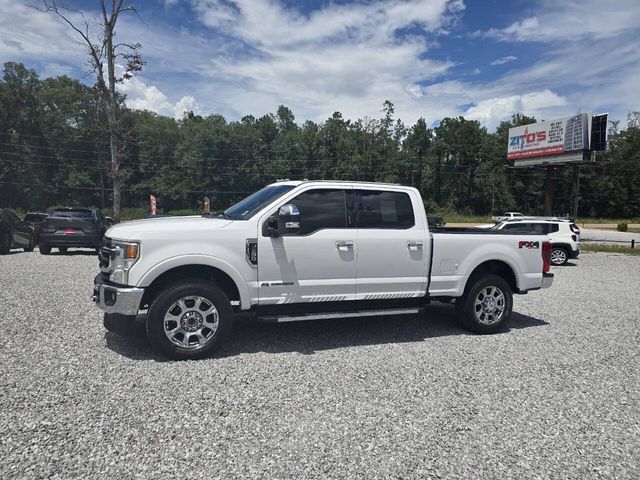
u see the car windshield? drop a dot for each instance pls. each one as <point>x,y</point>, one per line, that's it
<point>72,213</point>
<point>245,209</point>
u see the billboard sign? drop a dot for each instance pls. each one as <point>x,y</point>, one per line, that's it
<point>547,139</point>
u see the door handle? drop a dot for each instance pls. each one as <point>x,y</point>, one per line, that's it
<point>415,245</point>
<point>340,244</point>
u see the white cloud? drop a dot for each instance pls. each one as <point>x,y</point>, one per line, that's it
<point>503,60</point>
<point>572,19</point>
<point>492,111</point>
<point>141,96</point>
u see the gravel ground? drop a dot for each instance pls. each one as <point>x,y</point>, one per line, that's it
<point>609,236</point>
<point>555,396</point>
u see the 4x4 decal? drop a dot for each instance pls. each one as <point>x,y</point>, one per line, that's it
<point>528,244</point>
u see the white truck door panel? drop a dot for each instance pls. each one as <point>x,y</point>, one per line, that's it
<point>393,247</point>
<point>316,265</point>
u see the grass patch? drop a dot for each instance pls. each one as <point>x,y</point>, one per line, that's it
<point>598,247</point>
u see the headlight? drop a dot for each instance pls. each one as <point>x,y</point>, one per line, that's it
<point>126,256</point>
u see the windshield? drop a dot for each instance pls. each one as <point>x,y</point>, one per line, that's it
<point>248,207</point>
<point>72,213</point>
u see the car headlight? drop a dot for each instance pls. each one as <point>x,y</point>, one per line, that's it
<point>126,255</point>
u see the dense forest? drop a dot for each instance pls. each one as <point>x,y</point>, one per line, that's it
<point>54,151</point>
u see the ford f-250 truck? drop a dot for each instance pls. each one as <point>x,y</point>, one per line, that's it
<point>307,250</point>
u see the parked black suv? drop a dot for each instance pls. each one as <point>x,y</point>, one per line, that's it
<point>14,233</point>
<point>72,227</point>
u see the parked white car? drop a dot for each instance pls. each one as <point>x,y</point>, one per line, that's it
<point>506,216</point>
<point>307,251</point>
<point>563,234</point>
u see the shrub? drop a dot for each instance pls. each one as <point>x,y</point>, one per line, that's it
<point>623,227</point>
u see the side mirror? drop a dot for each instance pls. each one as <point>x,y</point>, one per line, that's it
<point>288,220</point>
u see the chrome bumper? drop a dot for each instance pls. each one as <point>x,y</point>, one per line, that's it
<point>116,299</point>
<point>547,280</point>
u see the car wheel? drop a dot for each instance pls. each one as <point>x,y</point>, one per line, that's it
<point>32,244</point>
<point>45,250</point>
<point>5,243</point>
<point>189,320</point>
<point>486,304</point>
<point>559,256</point>
<point>63,249</point>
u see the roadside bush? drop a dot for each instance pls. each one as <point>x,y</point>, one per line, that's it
<point>623,227</point>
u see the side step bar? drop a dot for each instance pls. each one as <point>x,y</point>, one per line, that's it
<point>325,316</point>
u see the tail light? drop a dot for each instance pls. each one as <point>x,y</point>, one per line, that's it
<point>546,257</point>
<point>574,228</point>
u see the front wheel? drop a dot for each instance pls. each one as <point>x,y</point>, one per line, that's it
<point>189,320</point>
<point>486,305</point>
<point>5,243</point>
<point>559,256</point>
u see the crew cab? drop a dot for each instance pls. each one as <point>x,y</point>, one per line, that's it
<point>307,250</point>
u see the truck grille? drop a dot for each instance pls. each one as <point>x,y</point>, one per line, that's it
<point>105,255</point>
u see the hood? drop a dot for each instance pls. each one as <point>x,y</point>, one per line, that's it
<point>164,227</point>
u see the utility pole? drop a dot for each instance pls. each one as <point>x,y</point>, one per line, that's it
<point>548,191</point>
<point>576,191</point>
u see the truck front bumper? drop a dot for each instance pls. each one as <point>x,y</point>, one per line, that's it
<point>547,280</point>
<point>112,298</point>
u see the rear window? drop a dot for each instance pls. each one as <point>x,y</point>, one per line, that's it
<point>72,213</point>
<point>384,209</point>
<point>33,217</point>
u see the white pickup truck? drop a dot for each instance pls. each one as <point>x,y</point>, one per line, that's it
<point>307,250</point>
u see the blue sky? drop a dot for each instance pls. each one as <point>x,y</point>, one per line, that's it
<point>432,58</point>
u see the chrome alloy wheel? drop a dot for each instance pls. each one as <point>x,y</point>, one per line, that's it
<point>191,322</point>
<point>489,305</point>
<point>558,256</point>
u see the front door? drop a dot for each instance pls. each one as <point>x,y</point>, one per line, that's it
<point>317,264</point>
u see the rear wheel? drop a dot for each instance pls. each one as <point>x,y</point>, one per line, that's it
<point>45,250</point>
<point>486,304</point>
<point>189,320</point>
<point>559,256</point>
<point>32,244</point>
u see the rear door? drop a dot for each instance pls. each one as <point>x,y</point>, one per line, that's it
<point>393,247</point>
<point>318,264</point>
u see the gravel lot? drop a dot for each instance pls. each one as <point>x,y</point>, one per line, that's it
<point>556,396</point>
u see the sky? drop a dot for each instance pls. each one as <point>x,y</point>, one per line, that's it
<point>482,59</point>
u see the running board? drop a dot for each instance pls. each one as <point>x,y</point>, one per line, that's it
<point>326,316</point>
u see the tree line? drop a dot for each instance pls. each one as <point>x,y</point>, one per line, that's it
<point>55,150</point>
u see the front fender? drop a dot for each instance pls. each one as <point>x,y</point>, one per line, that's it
<point>194,259</point>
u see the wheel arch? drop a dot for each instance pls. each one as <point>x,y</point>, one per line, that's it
<point>494,267</point>
<point>224,276</point>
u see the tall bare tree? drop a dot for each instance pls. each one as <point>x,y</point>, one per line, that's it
<point>98,37</point>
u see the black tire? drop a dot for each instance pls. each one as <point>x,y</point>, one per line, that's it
<point>474,317</point>
<point>5,243</point>
<point>45,249</point>
<point>63,249</point>
<point>559,256</point>
<point>32,244</point>
<point>165,301</point>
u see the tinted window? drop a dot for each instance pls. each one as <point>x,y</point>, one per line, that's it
<point>381,209</point>
<point>321,208</point>
<point>73,213</point>
<point>34,217</point>
<point>553,227</point>
<point>534,228</point>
